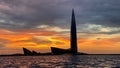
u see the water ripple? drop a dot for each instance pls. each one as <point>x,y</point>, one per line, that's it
<point>62,61</point>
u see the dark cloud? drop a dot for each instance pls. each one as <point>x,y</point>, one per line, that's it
<point>20,14</point>
<point>107,33</point>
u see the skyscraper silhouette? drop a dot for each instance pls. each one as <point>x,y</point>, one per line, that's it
<point>73,40</point>
<point>73,34</point>
<point>58,51</point>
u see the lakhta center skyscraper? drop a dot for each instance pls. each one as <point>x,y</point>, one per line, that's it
<point>73,40</point>
<point>58,51</point>
<point>73,34</point>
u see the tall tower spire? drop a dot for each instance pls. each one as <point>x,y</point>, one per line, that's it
<point>73,34</point>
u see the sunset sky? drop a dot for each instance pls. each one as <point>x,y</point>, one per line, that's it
<point>40,24</point>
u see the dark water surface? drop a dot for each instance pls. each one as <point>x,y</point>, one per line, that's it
<point>61,61</point>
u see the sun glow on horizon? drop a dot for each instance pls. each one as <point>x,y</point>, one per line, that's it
<point>13,42</point>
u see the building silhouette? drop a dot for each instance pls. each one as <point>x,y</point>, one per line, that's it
<point>73,40</point>
<point>58,51</point>
<point>73,34</point>
<point>28,52</point>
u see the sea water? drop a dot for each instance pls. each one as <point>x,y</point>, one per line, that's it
<point>61,61</point>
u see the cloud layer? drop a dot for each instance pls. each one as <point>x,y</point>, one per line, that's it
<point>44,23</point>
<point>30,14</point>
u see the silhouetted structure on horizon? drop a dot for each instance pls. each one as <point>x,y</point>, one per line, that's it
<point>33,53</point>
<point>73,40</point>
<point>59,51</point>
<point>73,34</point>
<point>28,52</point>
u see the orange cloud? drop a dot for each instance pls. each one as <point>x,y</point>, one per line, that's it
<point>99,41</point>
<point>104,45</point>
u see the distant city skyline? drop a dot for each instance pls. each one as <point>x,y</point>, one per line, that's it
<point>39,25</point>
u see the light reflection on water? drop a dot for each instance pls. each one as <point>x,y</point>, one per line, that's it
<point>61,61</point>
